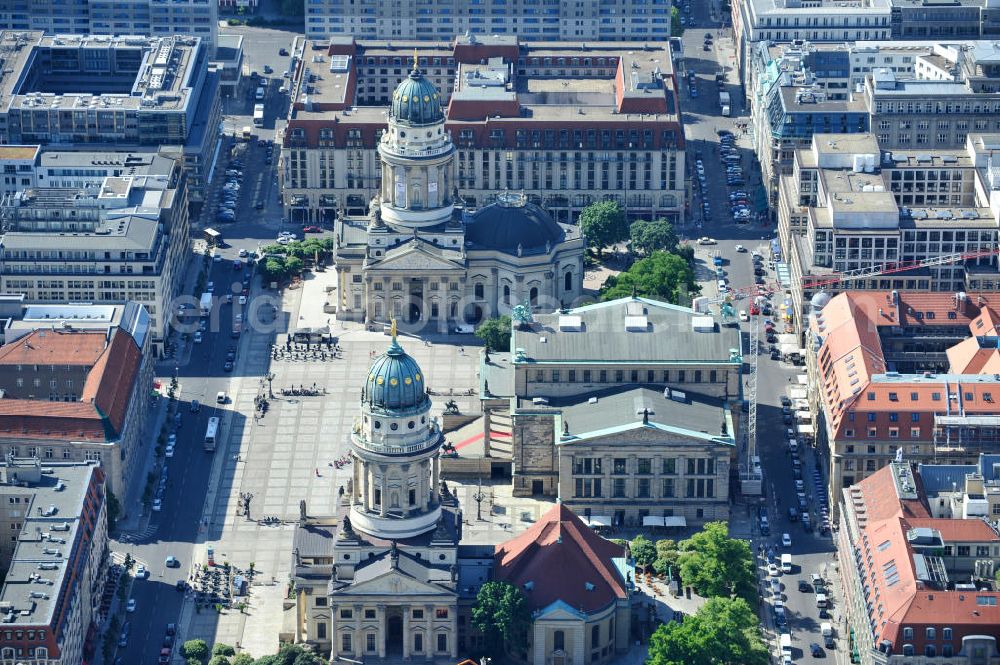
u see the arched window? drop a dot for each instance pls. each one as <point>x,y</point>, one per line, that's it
<point>506,294</point>
<point>558,641</point>
<point>416,200</point>
<point>479,291</point>
<point>533,296</point>
<point>568,281</point>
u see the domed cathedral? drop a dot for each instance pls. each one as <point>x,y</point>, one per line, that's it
<point>379,580</point>
<point>424,259</point>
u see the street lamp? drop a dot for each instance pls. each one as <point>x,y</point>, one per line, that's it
<point>478,498</point>
<point>270,378</point>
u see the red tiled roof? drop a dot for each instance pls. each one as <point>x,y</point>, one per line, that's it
<point>559,555</point>
<point>900,600</point>
<point>98,416</point>
<point>109,385</point>
<point>957,530</point>
<point>852,353</point>
<point>54,347</point>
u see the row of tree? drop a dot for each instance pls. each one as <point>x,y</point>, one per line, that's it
<point>197,652</point>
<point>281,261</point>
<point>725,630</point>
<point>605,224</point>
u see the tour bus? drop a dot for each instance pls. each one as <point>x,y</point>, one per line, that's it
<point>211,433</point>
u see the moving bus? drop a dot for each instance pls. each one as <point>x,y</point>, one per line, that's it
<point>212,433</point>
<point>258,115</point>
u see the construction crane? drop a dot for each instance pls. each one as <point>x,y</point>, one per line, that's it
<point>890,268</point>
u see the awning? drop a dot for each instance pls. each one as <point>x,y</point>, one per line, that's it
<point>655,520</point>
<point>796,393</point>
<point>807,428</point>
<point>596,520</point>
<point>803,415</point>
<point>787,348</point>
<point>800,403</point>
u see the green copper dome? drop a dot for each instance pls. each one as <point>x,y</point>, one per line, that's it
<point>394,382</point>
<point>416,101</point>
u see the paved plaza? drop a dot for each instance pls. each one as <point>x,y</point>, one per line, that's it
<point>288,455</point>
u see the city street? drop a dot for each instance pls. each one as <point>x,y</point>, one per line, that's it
<point>810,552</point>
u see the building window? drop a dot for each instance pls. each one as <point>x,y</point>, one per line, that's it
<point>346,614</point>
<point>369,614</point>
<point>345,643</point>
<point>479,291</point>
<point>645,465</point>
<point>370,642</point>
<point>595,637</point>
<point>618,489</point>
<point>643,488</point>
<point>619,465</point>
<point>418,614</point>
<point>320,601</point>
<point>670,466</point>
<point>321,630</point>
<point>907,633</point>
<point>441,613</point>
<point>442,642</point>
<point>418,642</point>
<point>559,640</point>
<point>668,488</point>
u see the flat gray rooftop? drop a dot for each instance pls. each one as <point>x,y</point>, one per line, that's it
<point>657,333</point>
<point>45,542</point>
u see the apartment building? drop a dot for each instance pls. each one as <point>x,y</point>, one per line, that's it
<point>122,239</point>
<point>918,587</point>
<point>198,18</point>
<point>963,491</point>
<point>75,388</point>
<point>850,208</point>
<point>55,559</point>
<point>530,20</point>
<point>121,93</point>
<point>757,21</point>
<point>584,381</point>
<point>566,123</point>
<point>900,373</point>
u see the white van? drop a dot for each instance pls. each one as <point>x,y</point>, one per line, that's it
<point>821,600</point>
<point>786,647</point>
<point>786,563</point>
<point>826,628</point>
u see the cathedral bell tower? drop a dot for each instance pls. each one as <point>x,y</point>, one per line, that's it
<point>416,155</point>
<point>395,450</point>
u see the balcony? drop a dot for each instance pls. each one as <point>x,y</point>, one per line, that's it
<point>298,200</point>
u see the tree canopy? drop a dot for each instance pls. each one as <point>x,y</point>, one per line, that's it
<point>660,275</point>
<point>723,631</point>
<point>501,612</point>
<point>643,551</point>
<point>651,236</point>
<point>196,649</point>
<point>603,223</point>
<point>717,565</point>
<point>667,555</point>
<point>495,333</point>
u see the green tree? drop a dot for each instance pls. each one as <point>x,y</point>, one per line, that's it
<point>501,612</point>
<point>643,551</point>
<point>242,659</point>
<point>495,333</point>
<point>648,237</point>
<point>273,248</point>
<point>717,565</point>
<point>114,510</point>
<point>723,631</point>
<point>676,29</point>
<point>294,265</point>
<point>667,555</point>
<point>195,649</point>
<point>660,275</point>
<point>219,660</point>
<point>603,224</point>
<point>274,268</point>
<point>220,649</point>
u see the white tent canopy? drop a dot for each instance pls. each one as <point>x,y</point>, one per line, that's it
<point>806,428</point>
<point>596,520</point>
<point>803,415</point>
<point>797,392</point>
<point>655,520</point>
